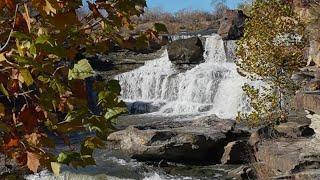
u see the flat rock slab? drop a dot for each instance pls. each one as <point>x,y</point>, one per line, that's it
<point>289,156</point>
<point>199,141</point>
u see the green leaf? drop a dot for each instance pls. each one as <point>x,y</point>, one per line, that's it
<point>21,36</point>
<point>4,127</point>
<point>159,27</point>
<point>114,86</point>
<point>90,144</point>
<point>33,49</point>
<point>27,76</point>
<point>81,70</point>
<point>55,168</point>
<point>20,59</point>
<point>3,90</point>
<point>42,39</point>
<point>115,112</point>
<point>68,156</point>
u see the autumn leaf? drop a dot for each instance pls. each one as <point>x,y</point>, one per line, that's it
<point>46,7</point>
<point>11,5</point>
<point>20,157</point>
<point>11,141</point>
<point>29,117</point>
<point>2,4</point>
<point>33,161</point>
<point>94,9</point>
<point>79,89</point>
<point>27,17</point>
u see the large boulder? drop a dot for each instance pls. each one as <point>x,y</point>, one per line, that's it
<point>232,24</point>
<point>186,51</point>
<point>198,141</point>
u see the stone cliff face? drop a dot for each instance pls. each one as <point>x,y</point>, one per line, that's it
<point>308,98</point>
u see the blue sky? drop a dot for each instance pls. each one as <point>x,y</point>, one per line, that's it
<point>175,5</point>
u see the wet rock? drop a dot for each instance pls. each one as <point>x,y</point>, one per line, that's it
<point>194,142</point>
<point>237,152</point>
<point>242,172</point>
<point>186,51</point>
<point>232,24</point>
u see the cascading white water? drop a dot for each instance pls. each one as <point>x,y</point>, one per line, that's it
<point>211,87</point>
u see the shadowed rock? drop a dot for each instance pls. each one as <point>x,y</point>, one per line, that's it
<point>232,25</point>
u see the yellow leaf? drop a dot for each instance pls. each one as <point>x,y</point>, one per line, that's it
<point>2,57</point>
<point>27,77</point>
<point>55,168</point>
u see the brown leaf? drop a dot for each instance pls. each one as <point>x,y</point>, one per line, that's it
<point>27,17</point>
<point>10,141</point>
<point>29,117</point>
<point>71,53</point>
<point>94,9</point>
<point>33,138</point>
<point>33,161</point>
<point>11,4</point>
<point>2,4</point>
<point>78,89</point>
<point>20,157</point>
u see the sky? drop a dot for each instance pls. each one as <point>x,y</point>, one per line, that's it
<point>175,5</point>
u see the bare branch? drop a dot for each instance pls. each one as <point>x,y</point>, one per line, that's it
<point>11,32</point>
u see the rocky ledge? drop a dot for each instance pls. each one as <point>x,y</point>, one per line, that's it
<point>200,141</point>
<point>287,150</point>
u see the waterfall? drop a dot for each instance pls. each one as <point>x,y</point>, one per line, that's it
<point>212,87</point>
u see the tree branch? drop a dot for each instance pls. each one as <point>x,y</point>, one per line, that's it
<point>11,32</point>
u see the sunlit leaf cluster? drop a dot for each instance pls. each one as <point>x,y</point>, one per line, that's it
<point>44,86</point>
<point>271,51</point>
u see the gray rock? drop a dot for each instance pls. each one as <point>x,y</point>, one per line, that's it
<point>232,24</point>
<point>242,172</point>
<point>262,133</point>
<point>237,152</point>
<point>293,130</point>
<point>307,101</point>
<point>186,51</point>
<point>288,156</point>
<point>120,61</point>
<point>199,141</point>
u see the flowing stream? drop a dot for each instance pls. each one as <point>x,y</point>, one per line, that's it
<point>158,90</point>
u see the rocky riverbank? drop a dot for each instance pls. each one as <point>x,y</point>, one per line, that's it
<point>286,150</point>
